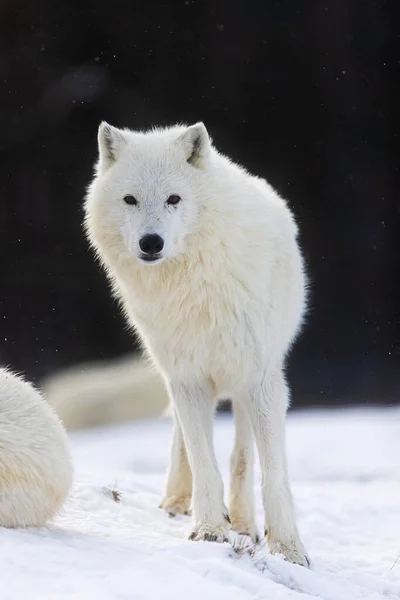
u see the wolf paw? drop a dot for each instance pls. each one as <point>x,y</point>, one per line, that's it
<point>176,505</point>
<point>210,533</point>
<point>244,527</point>
<point>293,552</point>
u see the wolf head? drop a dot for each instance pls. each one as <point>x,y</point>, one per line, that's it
<point>147,187</point>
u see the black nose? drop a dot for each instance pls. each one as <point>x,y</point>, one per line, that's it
<point>151,243</point>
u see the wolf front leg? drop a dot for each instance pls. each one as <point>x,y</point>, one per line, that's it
<point>194,405</point>
<point>178,487</point>
<point>241,504</point>
<point>268,400</point>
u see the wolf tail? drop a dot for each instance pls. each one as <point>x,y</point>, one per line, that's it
<point>99,393</point>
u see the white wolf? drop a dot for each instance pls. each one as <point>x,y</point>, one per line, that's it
<point>35,465</point>
<point>205,260</point>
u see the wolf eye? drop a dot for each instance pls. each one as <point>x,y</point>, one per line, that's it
<point>129,199</point>
<point>173,200</point>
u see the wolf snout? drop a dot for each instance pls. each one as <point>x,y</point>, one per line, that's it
<point>151,243</point>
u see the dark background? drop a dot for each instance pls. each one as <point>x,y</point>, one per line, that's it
<point>302,93</point>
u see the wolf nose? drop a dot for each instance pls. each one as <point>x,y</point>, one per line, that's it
<point>151,243</point>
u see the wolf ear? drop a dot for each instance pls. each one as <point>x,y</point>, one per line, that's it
<point>111,141</point>
<point>196,143</point>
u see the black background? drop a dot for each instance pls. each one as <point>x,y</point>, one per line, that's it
<point>302,93</point>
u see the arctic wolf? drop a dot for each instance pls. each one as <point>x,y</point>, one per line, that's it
<point>205,261</point>
<point>102,392</point>
<point>35,465</point>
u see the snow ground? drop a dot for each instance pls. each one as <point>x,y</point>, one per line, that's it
<point>345,473</point>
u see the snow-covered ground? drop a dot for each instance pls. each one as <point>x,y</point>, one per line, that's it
<point>345,473</point>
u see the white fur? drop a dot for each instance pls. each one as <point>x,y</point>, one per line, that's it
<point>35,465</point>
<point>104,392</point>
<point>217,313</point>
